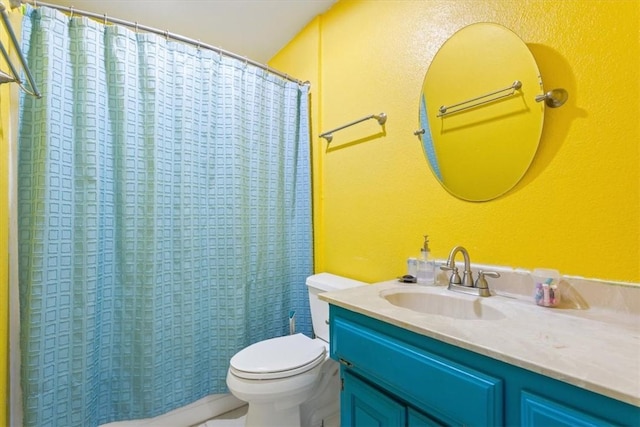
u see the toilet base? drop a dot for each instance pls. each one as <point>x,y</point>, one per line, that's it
<point>323,409</point>
<point>311,398</point>
<point>275,402</point>
<point>270,415</point>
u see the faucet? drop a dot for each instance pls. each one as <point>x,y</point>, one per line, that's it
<point>466,284</point>
<point>467,279</point>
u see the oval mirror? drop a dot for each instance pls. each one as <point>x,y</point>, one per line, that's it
<point>481,123</point>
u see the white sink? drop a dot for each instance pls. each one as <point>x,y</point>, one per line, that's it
<point>443,303</point>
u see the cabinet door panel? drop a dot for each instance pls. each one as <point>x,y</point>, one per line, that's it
<point>542,412</point>
<point>418,419</point>
<point>363,405</point>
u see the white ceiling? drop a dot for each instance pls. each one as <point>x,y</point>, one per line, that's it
<point>256,29</point>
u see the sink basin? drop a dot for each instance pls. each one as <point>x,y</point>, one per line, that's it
<point>452,305</point>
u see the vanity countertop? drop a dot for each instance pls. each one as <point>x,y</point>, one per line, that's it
<point>595,349</point>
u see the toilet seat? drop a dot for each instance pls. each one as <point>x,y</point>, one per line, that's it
<point>278,357</point>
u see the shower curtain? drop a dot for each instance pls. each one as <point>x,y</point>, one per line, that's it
<point>164,219</point>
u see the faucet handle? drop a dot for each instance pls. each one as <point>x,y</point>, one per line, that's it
<point>455,277</point>
<point>481,282</point>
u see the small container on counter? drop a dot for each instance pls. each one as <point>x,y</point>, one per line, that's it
<point>546,291</point>
<point>426,274</point>
<point>412,267</point>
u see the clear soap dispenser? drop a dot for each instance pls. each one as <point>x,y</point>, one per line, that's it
<point>426,267</point>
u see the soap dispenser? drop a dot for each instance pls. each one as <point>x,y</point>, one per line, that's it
<point>426,267</point>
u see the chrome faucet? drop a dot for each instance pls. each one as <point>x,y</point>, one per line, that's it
<point>466,285</point>
<point>467,279</point>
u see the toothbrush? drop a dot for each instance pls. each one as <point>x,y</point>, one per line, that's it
<point>292,322</point>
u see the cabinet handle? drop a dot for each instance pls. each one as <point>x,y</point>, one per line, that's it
<point>345,363</point>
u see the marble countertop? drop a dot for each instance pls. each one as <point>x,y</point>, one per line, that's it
<point>593,348</point>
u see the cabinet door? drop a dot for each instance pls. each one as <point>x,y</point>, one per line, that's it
<point>542,412</point>
<point>364,405</point>
<point>418,419</point>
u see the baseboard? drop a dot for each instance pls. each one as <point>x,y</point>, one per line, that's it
<point>193,414</point>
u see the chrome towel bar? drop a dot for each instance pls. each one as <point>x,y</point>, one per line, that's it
<point>480,100</point>
<point>5,77</point>
<point>381,118</point>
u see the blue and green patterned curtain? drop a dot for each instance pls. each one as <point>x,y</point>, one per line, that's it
<point>164,219</point>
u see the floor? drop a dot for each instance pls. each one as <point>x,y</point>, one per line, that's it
<point>234,418</point>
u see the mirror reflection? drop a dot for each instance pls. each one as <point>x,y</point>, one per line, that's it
<point>481,121</point>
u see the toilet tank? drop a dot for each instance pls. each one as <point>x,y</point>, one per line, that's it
<point>325,282</point>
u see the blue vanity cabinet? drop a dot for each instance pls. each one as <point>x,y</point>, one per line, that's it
<point>365,405</point>
<point>418,419</point>
<point>394,377</point>
<point>436,389</point>
<point>538,411</point>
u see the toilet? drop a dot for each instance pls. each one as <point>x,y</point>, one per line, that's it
<point>290,381</point>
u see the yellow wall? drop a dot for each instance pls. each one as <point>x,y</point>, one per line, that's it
<point>8,122</point>
<point>4,251</point>
<point>577,208</point>
<point>4,270</point>
<point>4,243</point>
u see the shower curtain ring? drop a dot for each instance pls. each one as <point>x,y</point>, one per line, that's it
<point>105,19</point>
<point>70,12</point>
<point>135,27</point>
<point>166,34</point>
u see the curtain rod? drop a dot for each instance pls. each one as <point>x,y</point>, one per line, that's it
<point>106,19</point>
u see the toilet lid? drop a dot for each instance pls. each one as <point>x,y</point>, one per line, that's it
<point>278,357</point>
